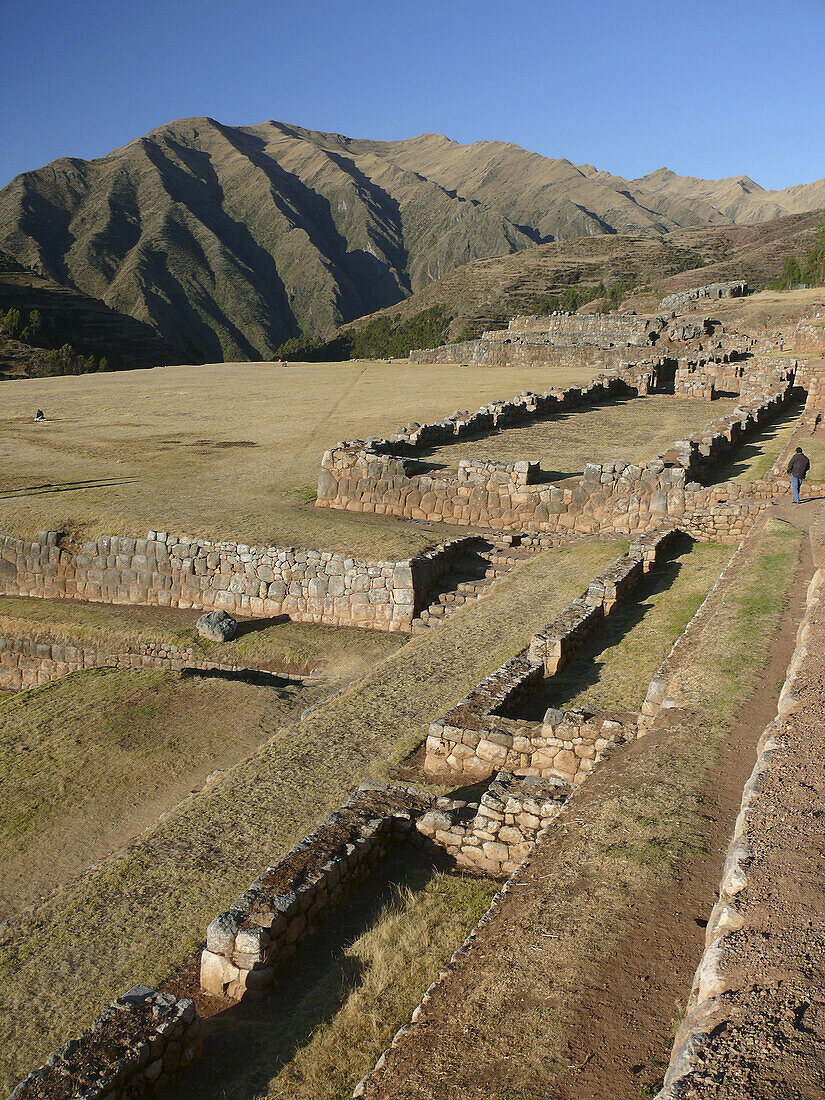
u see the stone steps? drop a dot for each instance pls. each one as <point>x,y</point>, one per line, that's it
<point>470,577</point>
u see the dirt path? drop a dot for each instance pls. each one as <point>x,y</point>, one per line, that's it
<point>573,987</point>
<point>621,1032</point>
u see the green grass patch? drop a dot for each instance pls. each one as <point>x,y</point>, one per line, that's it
<point>614,670</point>
<point>631,828</point>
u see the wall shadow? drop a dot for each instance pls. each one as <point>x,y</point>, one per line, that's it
<point>584,669</point>
<point>247,1044</point>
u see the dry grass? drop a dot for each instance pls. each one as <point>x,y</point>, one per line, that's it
<point>627,831</point>
<point>338,1004</point>
<point>614,672</point>
<point>633,430</point>
<point>138,916</point>
<point>88,762</point>
<point>396,959</point>
<point>230,450</point>
<point>770,309</point>
<point>341,652</point>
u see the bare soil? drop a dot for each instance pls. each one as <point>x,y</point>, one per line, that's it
<point>771,1044</point>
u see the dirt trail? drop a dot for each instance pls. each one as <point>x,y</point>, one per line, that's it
<point>572,989</point>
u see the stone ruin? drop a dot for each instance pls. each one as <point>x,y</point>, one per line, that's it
<point>710,292</point>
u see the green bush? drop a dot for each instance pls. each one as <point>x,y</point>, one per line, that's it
<point>378,339</point>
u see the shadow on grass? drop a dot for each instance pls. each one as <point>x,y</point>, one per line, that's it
<point>748,454</point>
<point>66,487</point>
<point>583,669</point>
<point>247,1044</point>
<point>251,626</point>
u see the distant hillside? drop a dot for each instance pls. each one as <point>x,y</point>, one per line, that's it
<point>230,240</point>
<point>52,317</point>
<point>487,293</point>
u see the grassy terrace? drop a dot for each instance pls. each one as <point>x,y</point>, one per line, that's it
<point>137,916</point>
<point>632,430</point>
<point>260,643</point>
<point>226,451</point>
<point>613,671</point>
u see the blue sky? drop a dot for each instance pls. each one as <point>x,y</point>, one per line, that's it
<point>707,88</point>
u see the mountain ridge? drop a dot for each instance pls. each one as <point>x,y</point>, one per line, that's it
<point>228,240</point>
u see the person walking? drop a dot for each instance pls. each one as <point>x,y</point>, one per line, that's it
<point>797,468</point>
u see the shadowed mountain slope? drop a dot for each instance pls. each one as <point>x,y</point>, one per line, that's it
<point>67,316</point>
<point>487,293</point>
<point>229,240</point>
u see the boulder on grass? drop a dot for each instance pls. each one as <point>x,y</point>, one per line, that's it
<point>217,625</point>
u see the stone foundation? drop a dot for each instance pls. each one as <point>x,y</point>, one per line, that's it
<point>27,662</point>
<point>479,736</point>
<point>512,812</point>
<point>613,498</point>
<point>263,927</point>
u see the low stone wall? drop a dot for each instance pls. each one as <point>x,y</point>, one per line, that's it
<point>719,975</point>
<point>614,497</point>
<point>132,1049</point>
<point>263,927</point>
<point>809,336</point>
<point>520,409</point>
<point>479,736</point>
<point>167,571</point>
<point>26,662</point>
<point>505,826</point>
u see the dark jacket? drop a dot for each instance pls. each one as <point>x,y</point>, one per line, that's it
<point>799,465</point>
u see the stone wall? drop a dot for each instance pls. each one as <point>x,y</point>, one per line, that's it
<point>247,581</point>
<point>26,662</point>
<point>809,336</point>
<point>132,1049</point>
<point>505,825</point>
<point>720,975</point>
<point>702,293</point>
<point>262,928</point>
<point>479,735</point>
<point>615,498</point>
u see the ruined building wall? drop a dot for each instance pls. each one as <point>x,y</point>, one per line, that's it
<point>166,571</point>
<point>615,498</point>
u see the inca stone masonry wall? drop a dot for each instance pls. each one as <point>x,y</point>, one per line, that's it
<point>684,298</point>
<point>376,476</point>
<point>720,978</point>
<point>261,929</point>
<point>133,1048</point>
<point>26,662</point>
<point>479,735</point>
<point>496,835</point>
<point>248,581</point>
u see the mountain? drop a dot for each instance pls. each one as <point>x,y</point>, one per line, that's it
<point>67,316</point>
<point>228,240</point>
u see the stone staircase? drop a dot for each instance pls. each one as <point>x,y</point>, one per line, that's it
<point>471,575</point>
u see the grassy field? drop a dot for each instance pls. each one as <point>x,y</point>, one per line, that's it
<point>634,430</point>
<point>136,917</point>
<point>230,450</point>
<point>561,936</point>
<point>285,646</point>
<point>146,738</point>
<point>614,670</point>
